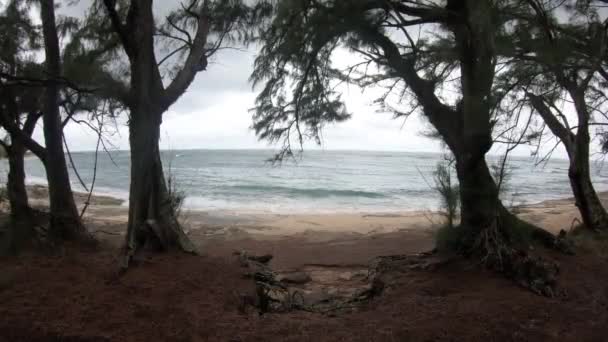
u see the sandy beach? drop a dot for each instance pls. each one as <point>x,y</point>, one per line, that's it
<point>301,239</point>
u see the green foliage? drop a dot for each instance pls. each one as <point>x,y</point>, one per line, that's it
<point>176,196</point>
<point>18,34</point>
<point>448,191</point>
<point>230,23</point>
<point>295,64</point>
<point>450,239</point>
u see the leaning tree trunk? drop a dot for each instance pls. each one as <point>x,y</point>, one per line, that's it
<point>593,213</point>
<point>152,218</point>
<point>65,222</point>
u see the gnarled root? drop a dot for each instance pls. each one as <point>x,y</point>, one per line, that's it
<point>154,236</point>
<point>531,272</point>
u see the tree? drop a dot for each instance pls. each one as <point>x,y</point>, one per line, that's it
<point>200,29</point>
<point>562,62</point>
<point>19,86</point>
<point>298,95</point>
<point>19,104</point>
<point>65,222</point>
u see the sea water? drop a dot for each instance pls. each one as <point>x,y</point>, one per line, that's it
<point>319,181</point>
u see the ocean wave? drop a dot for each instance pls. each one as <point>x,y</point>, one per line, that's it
<point>311,193</point>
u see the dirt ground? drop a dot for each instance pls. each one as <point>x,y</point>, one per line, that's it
<point>76,296</point>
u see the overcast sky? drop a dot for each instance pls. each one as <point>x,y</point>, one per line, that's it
<point>214,114</point>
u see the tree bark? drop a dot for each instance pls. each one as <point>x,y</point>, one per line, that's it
<point>65,222</point>
<point>20,229</point>
<point>466,129</point>
<point>152,218</point>
<point>17,194</point>
<point>478,192</point>
<point>593,213</point>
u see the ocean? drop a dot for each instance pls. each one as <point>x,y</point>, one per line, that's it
<point>321,181</point>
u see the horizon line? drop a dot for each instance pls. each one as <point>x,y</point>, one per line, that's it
<point>304,151</point>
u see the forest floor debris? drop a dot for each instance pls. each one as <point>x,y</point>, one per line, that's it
<point>71,296</point>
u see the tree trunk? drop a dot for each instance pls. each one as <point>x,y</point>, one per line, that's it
<point>20,227</point>
<point>487,224</point>
<point>17,194</point>
<point>152,219</point>
<point>592,211</point>
<point>478,193</point>
<point>65,222</point>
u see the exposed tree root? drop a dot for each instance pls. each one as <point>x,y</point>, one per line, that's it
<point>510,224</point>
<point>495,250</point>
<point>153,236</point>
<point>274,295</point>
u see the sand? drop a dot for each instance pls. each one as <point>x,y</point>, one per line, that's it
<point>298,240</point>
<point>553,215</point>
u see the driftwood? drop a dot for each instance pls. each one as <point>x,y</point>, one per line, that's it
<point>276,294</point>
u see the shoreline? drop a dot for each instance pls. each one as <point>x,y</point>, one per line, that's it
<point>553,215</point>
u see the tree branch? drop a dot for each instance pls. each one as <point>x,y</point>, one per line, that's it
<point>13,129</point>
<point>440,115</point>
<point>119,27</point>
<point>195,62</point>
<point>557,128</point>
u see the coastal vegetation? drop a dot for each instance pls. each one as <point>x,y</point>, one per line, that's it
<point>487,75</point>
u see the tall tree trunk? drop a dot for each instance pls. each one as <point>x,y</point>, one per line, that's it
<point>152,218</point>
<point>65,222</point>
<point>487,223</point>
